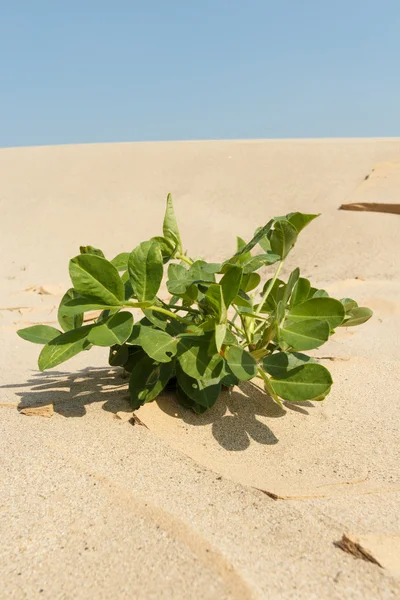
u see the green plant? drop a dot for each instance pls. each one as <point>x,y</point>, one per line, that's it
<point>222,324</point>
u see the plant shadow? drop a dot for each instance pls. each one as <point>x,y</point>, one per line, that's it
<point>71,393</point>
<point>234,416</point>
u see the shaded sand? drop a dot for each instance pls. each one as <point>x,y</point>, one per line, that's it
<point>93,506</point>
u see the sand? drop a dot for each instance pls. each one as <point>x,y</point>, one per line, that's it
<point>95,507</point>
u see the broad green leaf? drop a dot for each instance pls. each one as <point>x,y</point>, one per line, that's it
<point>168,249</point>
<point>148,379</point>
<point>274,296</point>
<point>200,270</point>
<point>94,276</point>
<point>120,261</point>
<point>170,226</point>
<point>158,344</point>
<point>321,294</point>
<point>64,347</point>
<point>164,322</point>
<point>91,250</point>
<point>80,304</point>
<point>135,354</point>
<point>280,363</point>
<point>203,392</point>
<point>301,291</point>
<point>195,359</point>
<point>283,238</point>
<point>280,312</point>
<point>308,382</point>
<point>114,330</point>
<point>305,335</point>
<point>293,278</point>
<point>241,363</point>
<point>220,334</point>
<point>230,284</point>
<point>68,321</point>
<point>145,267</point>
<point>250,281</point>
<point>229,338</point>
<point>261,260</point>
<point>211,268</point>
<point>118,355</point>
<point>300,220</point>
<point>357,316</point>
<point>260,233</point>
<point>348,304</point>
<point>39,334</point>
<point>321,309</point>
<point>178,279</point>
<point>264,243</point>
<point>243,303</point>
<point>228,379</point>
<point>186,402</point>
<point>215,299</point>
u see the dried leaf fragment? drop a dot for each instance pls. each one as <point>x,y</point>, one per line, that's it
<point>38,411</point>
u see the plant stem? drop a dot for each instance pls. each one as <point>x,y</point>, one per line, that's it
<point>268,387</point>
<point>185,259</point>
<point>238,329</point>
<point>155,308</point>
<point>269,288</point>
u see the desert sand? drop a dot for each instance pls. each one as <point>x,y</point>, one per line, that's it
<point>248,500</point>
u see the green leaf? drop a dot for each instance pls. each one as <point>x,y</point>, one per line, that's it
<point>170,226</point>
<point>94,276</point>
<point>322,309</point>
<point>168,249</point>
<point>114,330</point>
<point>310,381</point>
<point>91,250</point>
<point>186,402</point>
<point>148,379</point>
<point>357,316</point>
<point>215,299</point>
<point>230,284</point>
<point>274,296</point>
<point>320,294</point>
<point>158,344</point>
<point>178,279</point>
<point>241,363</point>
<point>348,304</point>
<point>260,233</point>
<point>66,320</point>
<point>280,363</point>
<point>200,270</point>
<point>261,260</point>
<point>120,261</point>
<point>293,278</point>
<point>80,304</point>
<point>146,270</point>
<point>250,281</point>
<point>283,238</point>
<point>64,347</point>
<point>118,355</point>
<point>195,359</point>
<point>39,334</point>
<point>220,335</point>
<point>300,220</point>
<point>203,392</point>
<point>301,292</point>
<point>229,338</point>
<point>305,335</point>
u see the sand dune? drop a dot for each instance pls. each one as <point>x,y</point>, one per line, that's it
<point>95,507</point>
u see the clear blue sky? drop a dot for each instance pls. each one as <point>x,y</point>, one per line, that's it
<point>74,71</point>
